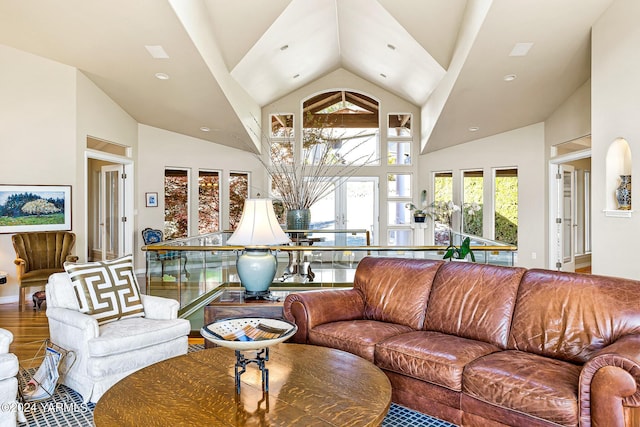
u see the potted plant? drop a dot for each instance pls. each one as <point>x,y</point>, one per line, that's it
<point>454,252</point>
<point>420,214</point>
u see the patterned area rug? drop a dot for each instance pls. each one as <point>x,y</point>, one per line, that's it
<point>65,408</point>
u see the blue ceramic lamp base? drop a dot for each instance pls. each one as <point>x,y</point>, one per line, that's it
<point>256,268</point>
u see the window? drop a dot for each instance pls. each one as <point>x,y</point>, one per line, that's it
<point>399,125</point>
<point>443,195</point>
<point>208,202</point>
<point>398,153</point>
<point>399,195</point>
<point>472,202</point>
<point>344,125</point>
<point>506,205</point>
<point>238,193</point>
<point>176,203</point>
<point>282,125</point>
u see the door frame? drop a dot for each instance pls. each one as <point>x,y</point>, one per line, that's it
<point>554,197</point>
<point>128,227</point>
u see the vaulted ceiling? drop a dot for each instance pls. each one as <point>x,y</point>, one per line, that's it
<point>227,59</point>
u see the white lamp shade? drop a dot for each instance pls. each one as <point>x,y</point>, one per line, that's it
<point>258,225</point>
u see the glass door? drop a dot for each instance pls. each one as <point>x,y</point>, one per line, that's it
<point>353,205</point>
<point>111,211</point>
<point>565,219</point>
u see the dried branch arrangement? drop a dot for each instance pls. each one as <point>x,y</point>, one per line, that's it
<point>324,165</point>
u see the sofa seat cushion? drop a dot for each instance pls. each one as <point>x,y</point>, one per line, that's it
<point>135,333</point>
<point>431,356</point>
<point>358,337</point>
<point>536,385</point>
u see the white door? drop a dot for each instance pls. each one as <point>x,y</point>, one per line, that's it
<point>352,206</point>
<point>566,226</point>
<point>111,211</point>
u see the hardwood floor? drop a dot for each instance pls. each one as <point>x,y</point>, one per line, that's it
<point>29,328</point>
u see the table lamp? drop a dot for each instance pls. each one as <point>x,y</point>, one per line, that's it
<point>257,230</point>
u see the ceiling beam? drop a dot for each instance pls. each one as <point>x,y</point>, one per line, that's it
<point>365,120</point>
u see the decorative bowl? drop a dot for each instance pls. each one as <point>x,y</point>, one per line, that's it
<point>235,332</point>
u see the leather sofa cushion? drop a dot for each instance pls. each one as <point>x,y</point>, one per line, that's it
<point>474,301</point>
<point>355,336</point>
<point>431,356</point>
<point>396,290</point>
<point>539,386</point>
<point>571,316</point>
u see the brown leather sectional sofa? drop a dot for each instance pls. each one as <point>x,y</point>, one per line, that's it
<point>484,345</point>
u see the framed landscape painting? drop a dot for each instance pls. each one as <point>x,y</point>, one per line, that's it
<point>35,208</point>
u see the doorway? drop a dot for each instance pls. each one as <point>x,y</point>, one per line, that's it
<point>569,207</point>
<point>109,233</point>
<point>352,205</point>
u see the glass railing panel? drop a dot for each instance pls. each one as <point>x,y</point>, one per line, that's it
<point>210,266</point>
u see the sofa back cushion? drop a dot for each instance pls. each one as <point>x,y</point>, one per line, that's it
<point>570,316</point>
<point>474,301</point>
<point>396,290</point>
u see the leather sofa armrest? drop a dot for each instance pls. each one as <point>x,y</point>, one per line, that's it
<point>609,381</point>
<point>159,307</point>
<point>311,308</point>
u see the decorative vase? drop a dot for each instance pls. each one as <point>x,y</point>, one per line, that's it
<point>298,219</point>
<point>623,193</point>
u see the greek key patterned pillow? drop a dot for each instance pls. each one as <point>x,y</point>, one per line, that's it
<point>106,290</point>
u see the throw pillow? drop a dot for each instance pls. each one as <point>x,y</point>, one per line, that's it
<point>106,290</point>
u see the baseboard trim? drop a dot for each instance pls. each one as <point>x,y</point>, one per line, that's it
<point>9,300</point>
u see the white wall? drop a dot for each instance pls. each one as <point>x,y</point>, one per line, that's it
<point>615,113</point>
<point>37,135</point>
<point>159,149</point>
<point>389,103</point>
<point>571,120</point>
<point>522,149</point>
<point>47,109</point>
<point>100,117</point>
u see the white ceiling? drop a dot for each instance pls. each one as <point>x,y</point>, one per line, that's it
<point>227,58</point>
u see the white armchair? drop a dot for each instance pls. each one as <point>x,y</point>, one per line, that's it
<point>8,381</point>
<point>104,354</point>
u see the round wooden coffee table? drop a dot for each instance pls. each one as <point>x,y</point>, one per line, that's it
<point>309,385</point>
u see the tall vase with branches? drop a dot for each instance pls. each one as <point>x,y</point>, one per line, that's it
<point>325,164</point>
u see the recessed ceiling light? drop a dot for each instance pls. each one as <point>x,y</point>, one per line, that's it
<point>390,46</point>
<point>509,77</point>
<point>284,47</point>
<point>162,76</point>
<point>520,49</point>
<point>157,51</point>
<point>474,129</point>
<point>383,75</point>
<point>205,129</point>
